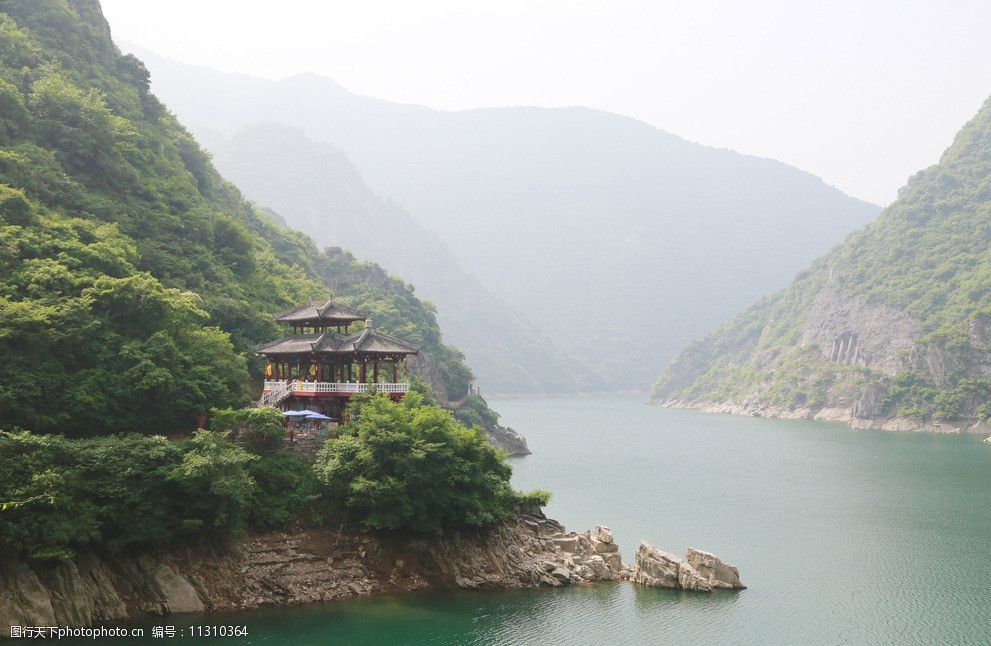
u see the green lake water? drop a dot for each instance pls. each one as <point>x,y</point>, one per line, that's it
<point>843,537</point>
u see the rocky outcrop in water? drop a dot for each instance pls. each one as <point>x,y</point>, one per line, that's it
<point>716,573</point>
<point>655,568</point>
<point>508,440</point>
<point>699,572</point>
<point>290,568</point>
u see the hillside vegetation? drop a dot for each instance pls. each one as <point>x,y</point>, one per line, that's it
<point>135,284</point>
<point>136,281</point>
<point>893,322</point>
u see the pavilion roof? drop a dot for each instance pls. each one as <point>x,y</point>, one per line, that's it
<point>368,341</point>
<point>371,340</point>
<point>316,310</point>
<point>291,344</point>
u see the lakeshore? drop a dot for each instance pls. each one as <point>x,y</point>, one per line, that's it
<point>907,513</point>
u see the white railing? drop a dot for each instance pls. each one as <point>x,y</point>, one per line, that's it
<point>331,387</point>
<point>274,393</point>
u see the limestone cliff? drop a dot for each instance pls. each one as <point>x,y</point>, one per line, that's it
<point>891,329</point>
<point>290,568</point>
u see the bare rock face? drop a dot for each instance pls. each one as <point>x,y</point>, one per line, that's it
<point>870,404</point>
<point>699,572</point>
<point>178,593</point>
<point>690,579</point>
<point>850,330</point>
<point>987,440</point>
<point>591,556</point>
<point>717,573</point>
<point>423,367</point>
<point>25,601</point>
<point>290,568</point>
<point>508,440</point>
<point>655,568</point>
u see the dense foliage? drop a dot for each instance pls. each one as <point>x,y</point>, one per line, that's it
<point>927,255</point>
<point>260,430</point>
<point>135,281</point>
<point>134,284</point>
<point>134,278</point>
<point>59,495</point>
<point>404,466</point>
<point>475,412</point>
<point>411,467</point>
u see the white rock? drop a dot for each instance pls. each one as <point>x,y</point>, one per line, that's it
<point>566,543</point>
<point>689,579</point>
<point>599,567</point>
<point>602,548</point>
<point>603,534</point>
<point>654,568</point>
<point>717,573</point>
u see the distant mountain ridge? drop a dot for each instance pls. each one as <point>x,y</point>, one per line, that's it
<point>316,189</point>
<point>890,329</point>
<point>620,241</point>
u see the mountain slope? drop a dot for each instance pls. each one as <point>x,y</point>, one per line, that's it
<point>135,280</point>
<point>891,328</point>
<point>597,227</point>
<point>318,191</point>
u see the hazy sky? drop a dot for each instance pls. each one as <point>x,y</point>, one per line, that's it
<point>861,93</point>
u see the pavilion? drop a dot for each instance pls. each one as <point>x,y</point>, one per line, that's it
<point>322,364</point>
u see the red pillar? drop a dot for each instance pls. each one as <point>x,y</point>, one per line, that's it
<point>361,373</point>
<point>395,372</point>
<point>375,371</point>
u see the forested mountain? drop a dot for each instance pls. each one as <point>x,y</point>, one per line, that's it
<point>317,190</point>
<point>893,322</point>
<point>136,281</point>
<point>617,240</point>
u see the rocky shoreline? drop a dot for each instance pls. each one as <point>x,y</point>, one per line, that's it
<point>293,568</point>
<point>312,566</point>
<point>844,415</point>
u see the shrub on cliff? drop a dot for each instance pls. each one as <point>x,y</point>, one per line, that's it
<point>287,488</point>
<point>58,495</point>
<point>408,466</point>
<point>475,412</point>
<point>260,430</point>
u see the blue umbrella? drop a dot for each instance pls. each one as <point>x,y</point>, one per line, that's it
<point>318,416</point>
<point>296,413</point>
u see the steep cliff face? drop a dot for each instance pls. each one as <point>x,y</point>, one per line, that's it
<point>848,330</point>
<point>889,330</point>
<point>291,568</point>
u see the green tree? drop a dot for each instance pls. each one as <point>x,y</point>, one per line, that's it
<point>217,485</point>
<point>411,467</point>
<point>287,489</point>
<point>260,430</point>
